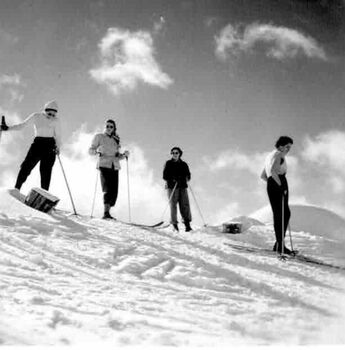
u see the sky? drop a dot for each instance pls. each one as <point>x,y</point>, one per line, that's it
<point>220,79</point>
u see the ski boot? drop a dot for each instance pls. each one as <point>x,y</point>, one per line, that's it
<point>188,228</point>
<point>175,226</point>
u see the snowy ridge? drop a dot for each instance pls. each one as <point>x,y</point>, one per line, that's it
<point>76,280</point>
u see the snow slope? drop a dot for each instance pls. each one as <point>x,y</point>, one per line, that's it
<point>309,218</point>
<point>81,281</point>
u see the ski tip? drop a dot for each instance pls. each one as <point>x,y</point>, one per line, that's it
<point>158,224</point>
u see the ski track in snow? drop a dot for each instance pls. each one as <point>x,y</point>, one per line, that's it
<point>75,280</point>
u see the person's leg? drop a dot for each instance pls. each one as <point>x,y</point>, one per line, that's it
<point>30,161</point>
<point>105,176</point>
<point>46,167</point>
<point>113,186</point>
<point>287,212</point>
<point>185,208</point>
<point>275,197</point>
<point>174,197</point>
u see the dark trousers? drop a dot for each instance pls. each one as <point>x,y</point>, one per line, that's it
<point>279,199</point>
<point>110,185</point>
<point>41,150</point>
<point>179,196</point>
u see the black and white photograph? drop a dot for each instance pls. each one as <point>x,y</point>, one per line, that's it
<point>172,173</point>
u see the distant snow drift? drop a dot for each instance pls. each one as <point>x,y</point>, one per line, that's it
<point>309,218</point>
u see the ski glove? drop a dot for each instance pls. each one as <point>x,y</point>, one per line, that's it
<point>100,150</point>
<point>4,126</point>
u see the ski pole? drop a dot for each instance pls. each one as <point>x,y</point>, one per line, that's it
<point>169,200</point>
<point>197,205</point>
<point>291,238</point>
<point>282,236</point>
<point>94,194</point>
<point>128,193</point>
<point>69,191</point>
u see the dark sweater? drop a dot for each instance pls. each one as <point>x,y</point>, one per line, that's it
<point>176,172</point>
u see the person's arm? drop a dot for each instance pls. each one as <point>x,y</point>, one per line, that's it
<point>263,175</point>
<point>123,155</point>
<point>275,168</point>
<point>26,122</point>
<point>166,172</point>
<point>188,174</point>
<point>93,150</point>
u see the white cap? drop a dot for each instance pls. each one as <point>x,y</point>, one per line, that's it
<point>51,105</point>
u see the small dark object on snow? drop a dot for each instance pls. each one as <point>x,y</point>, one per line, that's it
<point>4,126</point>
<point>232,227</point>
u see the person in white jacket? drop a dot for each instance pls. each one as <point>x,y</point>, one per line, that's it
<point>46,144</point>
<point>107,146</point>
<point>274,174</point>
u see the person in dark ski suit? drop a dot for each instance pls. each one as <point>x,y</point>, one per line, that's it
<point>176,174</point>
<point>45,146</point>
<point>274,174</point>
<point>107,146</point>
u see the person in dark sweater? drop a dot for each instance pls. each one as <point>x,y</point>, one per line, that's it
<point>176,174</point>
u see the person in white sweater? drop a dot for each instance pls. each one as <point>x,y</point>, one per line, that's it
<point>274,174</point>
<point>46,144</point>
<point>107,146</point>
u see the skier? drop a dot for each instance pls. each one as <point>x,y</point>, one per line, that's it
<point>45,146</point>
<point>107,146</point>
<point>176,174</point>
<point>274,174</point>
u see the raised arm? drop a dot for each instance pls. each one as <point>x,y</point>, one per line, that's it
<point>23,124</point>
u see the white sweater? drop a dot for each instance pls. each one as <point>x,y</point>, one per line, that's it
<point>44,126</point>
<point>273,164</point>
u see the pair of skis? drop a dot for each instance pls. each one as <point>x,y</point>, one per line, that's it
<point>296,255</point>
<point>157,225</point>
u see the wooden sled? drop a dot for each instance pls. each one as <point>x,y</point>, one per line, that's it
<point>41,200</point>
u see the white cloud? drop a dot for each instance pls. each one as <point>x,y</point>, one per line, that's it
<point>14,79</point>
<point>279,42</point>
<point>230,211</point>
<point>326,151</point>
<point>12,84</point>
<point>233,159</point>
<point>127,58</point>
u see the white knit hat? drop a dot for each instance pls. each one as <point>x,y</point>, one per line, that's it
<point>51,105</point>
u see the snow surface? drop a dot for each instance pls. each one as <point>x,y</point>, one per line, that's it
<point>82,281</point>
